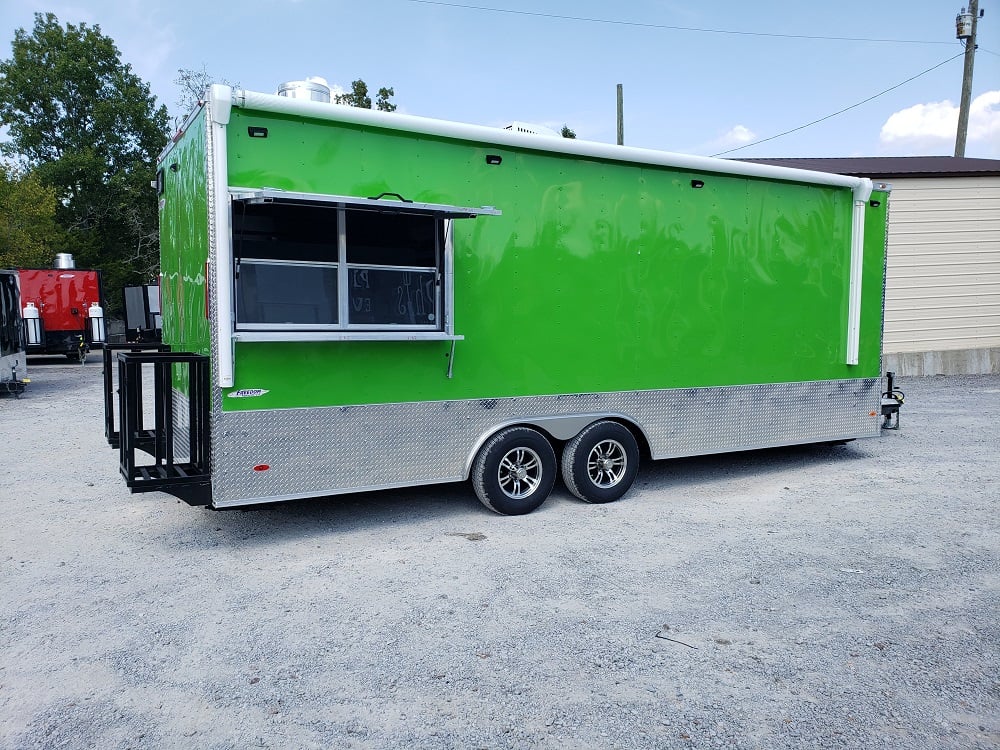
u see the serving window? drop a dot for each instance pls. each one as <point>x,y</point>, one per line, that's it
<point>306,267</point>
<point>313,266</point>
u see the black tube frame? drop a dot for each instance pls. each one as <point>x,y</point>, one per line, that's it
<point>165,474</point>
<point>110,385</point>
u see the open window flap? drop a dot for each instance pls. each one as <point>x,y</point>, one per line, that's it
<point>387,202</point>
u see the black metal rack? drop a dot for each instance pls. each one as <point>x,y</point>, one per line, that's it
<point>110,417</point>
<point>180,453</point>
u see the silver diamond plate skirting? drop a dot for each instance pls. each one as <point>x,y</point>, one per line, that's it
<point>331,450</point>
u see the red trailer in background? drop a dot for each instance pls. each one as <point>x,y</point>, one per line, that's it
<point>63,309</point>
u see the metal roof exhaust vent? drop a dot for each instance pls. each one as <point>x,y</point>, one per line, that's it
<point>313,88</point>
<point>530,128</point>
<point>65,260</point>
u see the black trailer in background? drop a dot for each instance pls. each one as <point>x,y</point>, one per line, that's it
<point>13,363</point>
<point>143,321</point>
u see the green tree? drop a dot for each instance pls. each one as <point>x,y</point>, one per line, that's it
<point>28,230</point>
<point>358,97</point>
<point>568,132</point>
<point>382,100</point>
<point>89,128</point>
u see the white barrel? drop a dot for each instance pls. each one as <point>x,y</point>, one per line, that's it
<point>95,316</point>
<point>32,324</point>
<point>65,260</point>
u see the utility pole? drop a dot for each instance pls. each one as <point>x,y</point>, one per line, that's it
<point>965,29</point>
<point>621,118</point>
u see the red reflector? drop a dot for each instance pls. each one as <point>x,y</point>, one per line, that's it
<point>261,467</point>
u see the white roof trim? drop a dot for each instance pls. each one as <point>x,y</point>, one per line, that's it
<point>861,186</point>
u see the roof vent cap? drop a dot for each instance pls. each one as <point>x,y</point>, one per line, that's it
<point>313,89</point>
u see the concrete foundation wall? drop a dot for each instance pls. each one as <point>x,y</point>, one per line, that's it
<point>953,362</point>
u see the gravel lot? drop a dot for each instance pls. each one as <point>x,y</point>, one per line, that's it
<point>805,597</point>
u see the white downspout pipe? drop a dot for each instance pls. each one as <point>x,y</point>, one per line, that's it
<point>220,103</point>
<point>861,195</point>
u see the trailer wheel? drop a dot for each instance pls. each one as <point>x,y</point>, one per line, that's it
<point>514,472</point>
<point>600,464</point>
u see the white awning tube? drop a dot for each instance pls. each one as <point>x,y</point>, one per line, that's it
<point>480,134</point>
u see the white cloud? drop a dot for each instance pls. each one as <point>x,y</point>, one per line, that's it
<point>144,40</point>
<point>738,135</point>
<point>933,121</point>
<point>984,118</point>
<point>147,41</point>
<point>926,128</point>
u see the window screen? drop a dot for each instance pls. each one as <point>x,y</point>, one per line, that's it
<point>276,293</point>
<point>391,239</point>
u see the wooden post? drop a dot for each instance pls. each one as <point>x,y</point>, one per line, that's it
<point>970,59</point>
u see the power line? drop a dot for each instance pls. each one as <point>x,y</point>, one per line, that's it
<point>840,112</point>
<point>640,24</point>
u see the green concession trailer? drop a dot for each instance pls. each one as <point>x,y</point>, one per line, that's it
<point>356,300</point>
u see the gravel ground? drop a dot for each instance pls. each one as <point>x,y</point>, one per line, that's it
<point>802,597</point>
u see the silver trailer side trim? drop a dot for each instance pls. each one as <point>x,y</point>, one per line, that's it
<point>312,452</point>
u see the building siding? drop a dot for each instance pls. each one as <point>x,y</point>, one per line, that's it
<point>943,273</point>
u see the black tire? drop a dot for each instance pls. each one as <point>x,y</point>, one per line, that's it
<point>514,472</point>
<point>600,464</point>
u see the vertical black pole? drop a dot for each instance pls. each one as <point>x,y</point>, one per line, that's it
<point>621,117</point>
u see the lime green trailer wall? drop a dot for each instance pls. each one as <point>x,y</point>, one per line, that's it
<point>595,283</point>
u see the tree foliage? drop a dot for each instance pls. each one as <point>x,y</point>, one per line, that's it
<point>358,97</point>
<point>80,120</point>
<point>28,230</point>
<point>382,100</point>
<point>568,132</point>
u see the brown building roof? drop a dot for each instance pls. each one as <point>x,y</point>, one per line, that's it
<point>893,166</point>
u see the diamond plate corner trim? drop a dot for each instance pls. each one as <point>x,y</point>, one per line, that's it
<point>332,450</point>
<point>215,394</point>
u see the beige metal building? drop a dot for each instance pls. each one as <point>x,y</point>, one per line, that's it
<point>942,306</point>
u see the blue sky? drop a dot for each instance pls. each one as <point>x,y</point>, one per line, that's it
<point>689,91</point>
